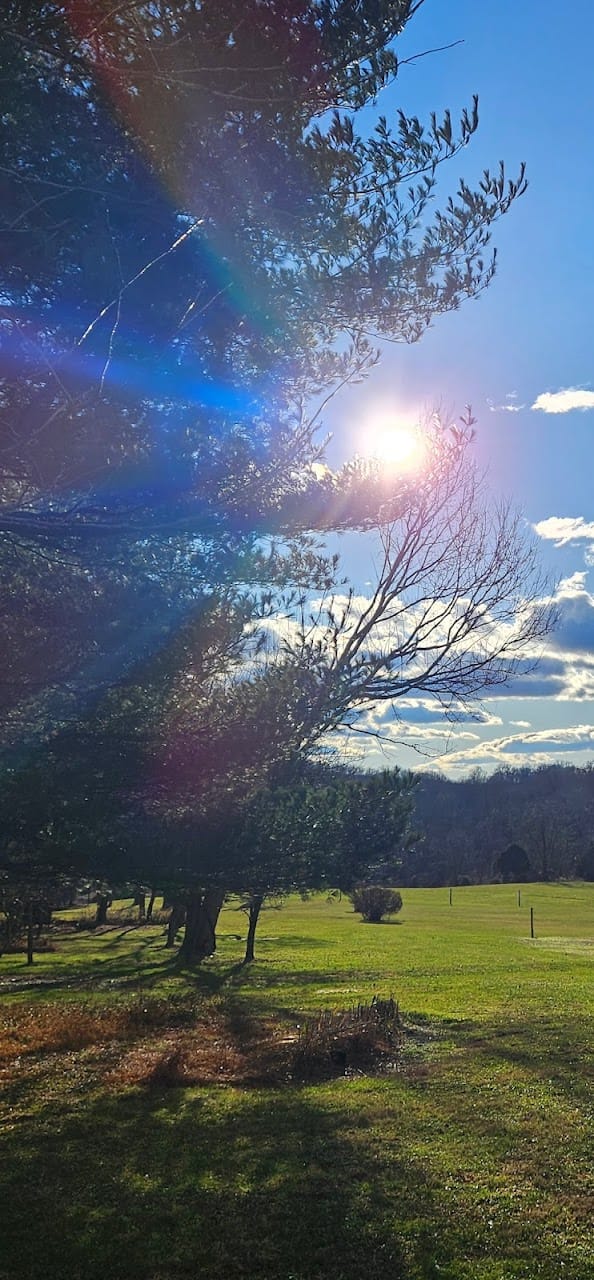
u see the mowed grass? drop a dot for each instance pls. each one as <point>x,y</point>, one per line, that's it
<point>471,1157</point>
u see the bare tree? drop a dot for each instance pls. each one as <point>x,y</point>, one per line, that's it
<point>459,605</point>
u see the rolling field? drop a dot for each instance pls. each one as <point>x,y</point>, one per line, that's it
<point>470,1157</point>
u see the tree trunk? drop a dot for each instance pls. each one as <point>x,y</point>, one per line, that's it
<point>149,910</point>
<point>141,904</point>
<point>253,915</point>
<point>202,913</point>
<point>102,905</point>
<point>176,919</point>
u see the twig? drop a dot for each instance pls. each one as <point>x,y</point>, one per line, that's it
<point>133,280</point>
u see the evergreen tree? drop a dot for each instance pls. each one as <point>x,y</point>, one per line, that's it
<point>203,239</point>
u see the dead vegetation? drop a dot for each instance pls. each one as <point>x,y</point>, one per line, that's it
<point>159,1043</point>
<point>61,1026</point>
<point>334,1043</point>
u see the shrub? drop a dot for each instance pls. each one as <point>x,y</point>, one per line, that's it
<point>334,1042</point>
<point>375,901</point>
<point>513,864</point>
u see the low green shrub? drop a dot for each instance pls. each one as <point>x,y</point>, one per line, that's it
<point>375,901</point>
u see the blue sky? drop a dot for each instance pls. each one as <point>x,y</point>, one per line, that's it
<point>513,351</point>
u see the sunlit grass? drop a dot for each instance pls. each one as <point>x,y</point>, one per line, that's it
<point>471,1159</point>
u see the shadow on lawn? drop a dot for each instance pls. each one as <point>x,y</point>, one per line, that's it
<point>94,975</point>
<point>559,1053</point>
<point>236,1186</point>
<point>133,972</point>
<point>144,964</point>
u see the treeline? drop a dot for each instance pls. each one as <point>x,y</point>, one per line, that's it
<point>470,831</point>
<point>67,830</point>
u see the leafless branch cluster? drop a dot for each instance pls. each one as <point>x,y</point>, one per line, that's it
<point>459,604</point>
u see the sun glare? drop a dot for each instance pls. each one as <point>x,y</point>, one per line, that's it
<point>396,444</point>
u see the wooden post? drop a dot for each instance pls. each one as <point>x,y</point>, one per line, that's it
<point>519,897</point>
<point>30,933</point>
<point>532,922</point>
<point>450,896</point>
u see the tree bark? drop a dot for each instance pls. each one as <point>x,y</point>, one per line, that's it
<point>202,913</point>
<point>253,917</point>
<point>176,919</point>
<point>102,905</point>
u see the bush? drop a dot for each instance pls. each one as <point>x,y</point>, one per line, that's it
<point>374,901</point>
<point>335,1042</point>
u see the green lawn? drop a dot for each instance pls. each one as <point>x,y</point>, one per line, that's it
<point>470,1159</point>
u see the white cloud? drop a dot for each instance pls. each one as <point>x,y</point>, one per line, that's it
<point>564,401</point>
<point>509,405</point>
<point>564,669</point>
<point>574,585</point>
<point>565,529</point>
<point>527,749</point>
<point>421,711</point>
<point>392,729</point>
<point>578,738</point>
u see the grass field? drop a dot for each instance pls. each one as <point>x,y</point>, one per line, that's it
<point>470,1156</point>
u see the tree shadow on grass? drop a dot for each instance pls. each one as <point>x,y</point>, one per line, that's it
<point>375,923</point>
<point>102,975</point>
<point>120,934</point>
<point>140,967</point>
<point>557,1051</point>
<point>294,1183</point>
<point>267,1185</point>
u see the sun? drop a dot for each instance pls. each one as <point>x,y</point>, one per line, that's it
<point>393,442</point>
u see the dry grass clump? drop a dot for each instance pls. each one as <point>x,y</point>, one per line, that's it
<point>335,1042</point>
<point>159,917</point>
<point>165,1070</point>
<point>61,1026</point>
<point>154,1012</point>
<point>203,1058</point>
<point>117,918</point>
<point>26,1028</point>
<point>223,1046</point>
